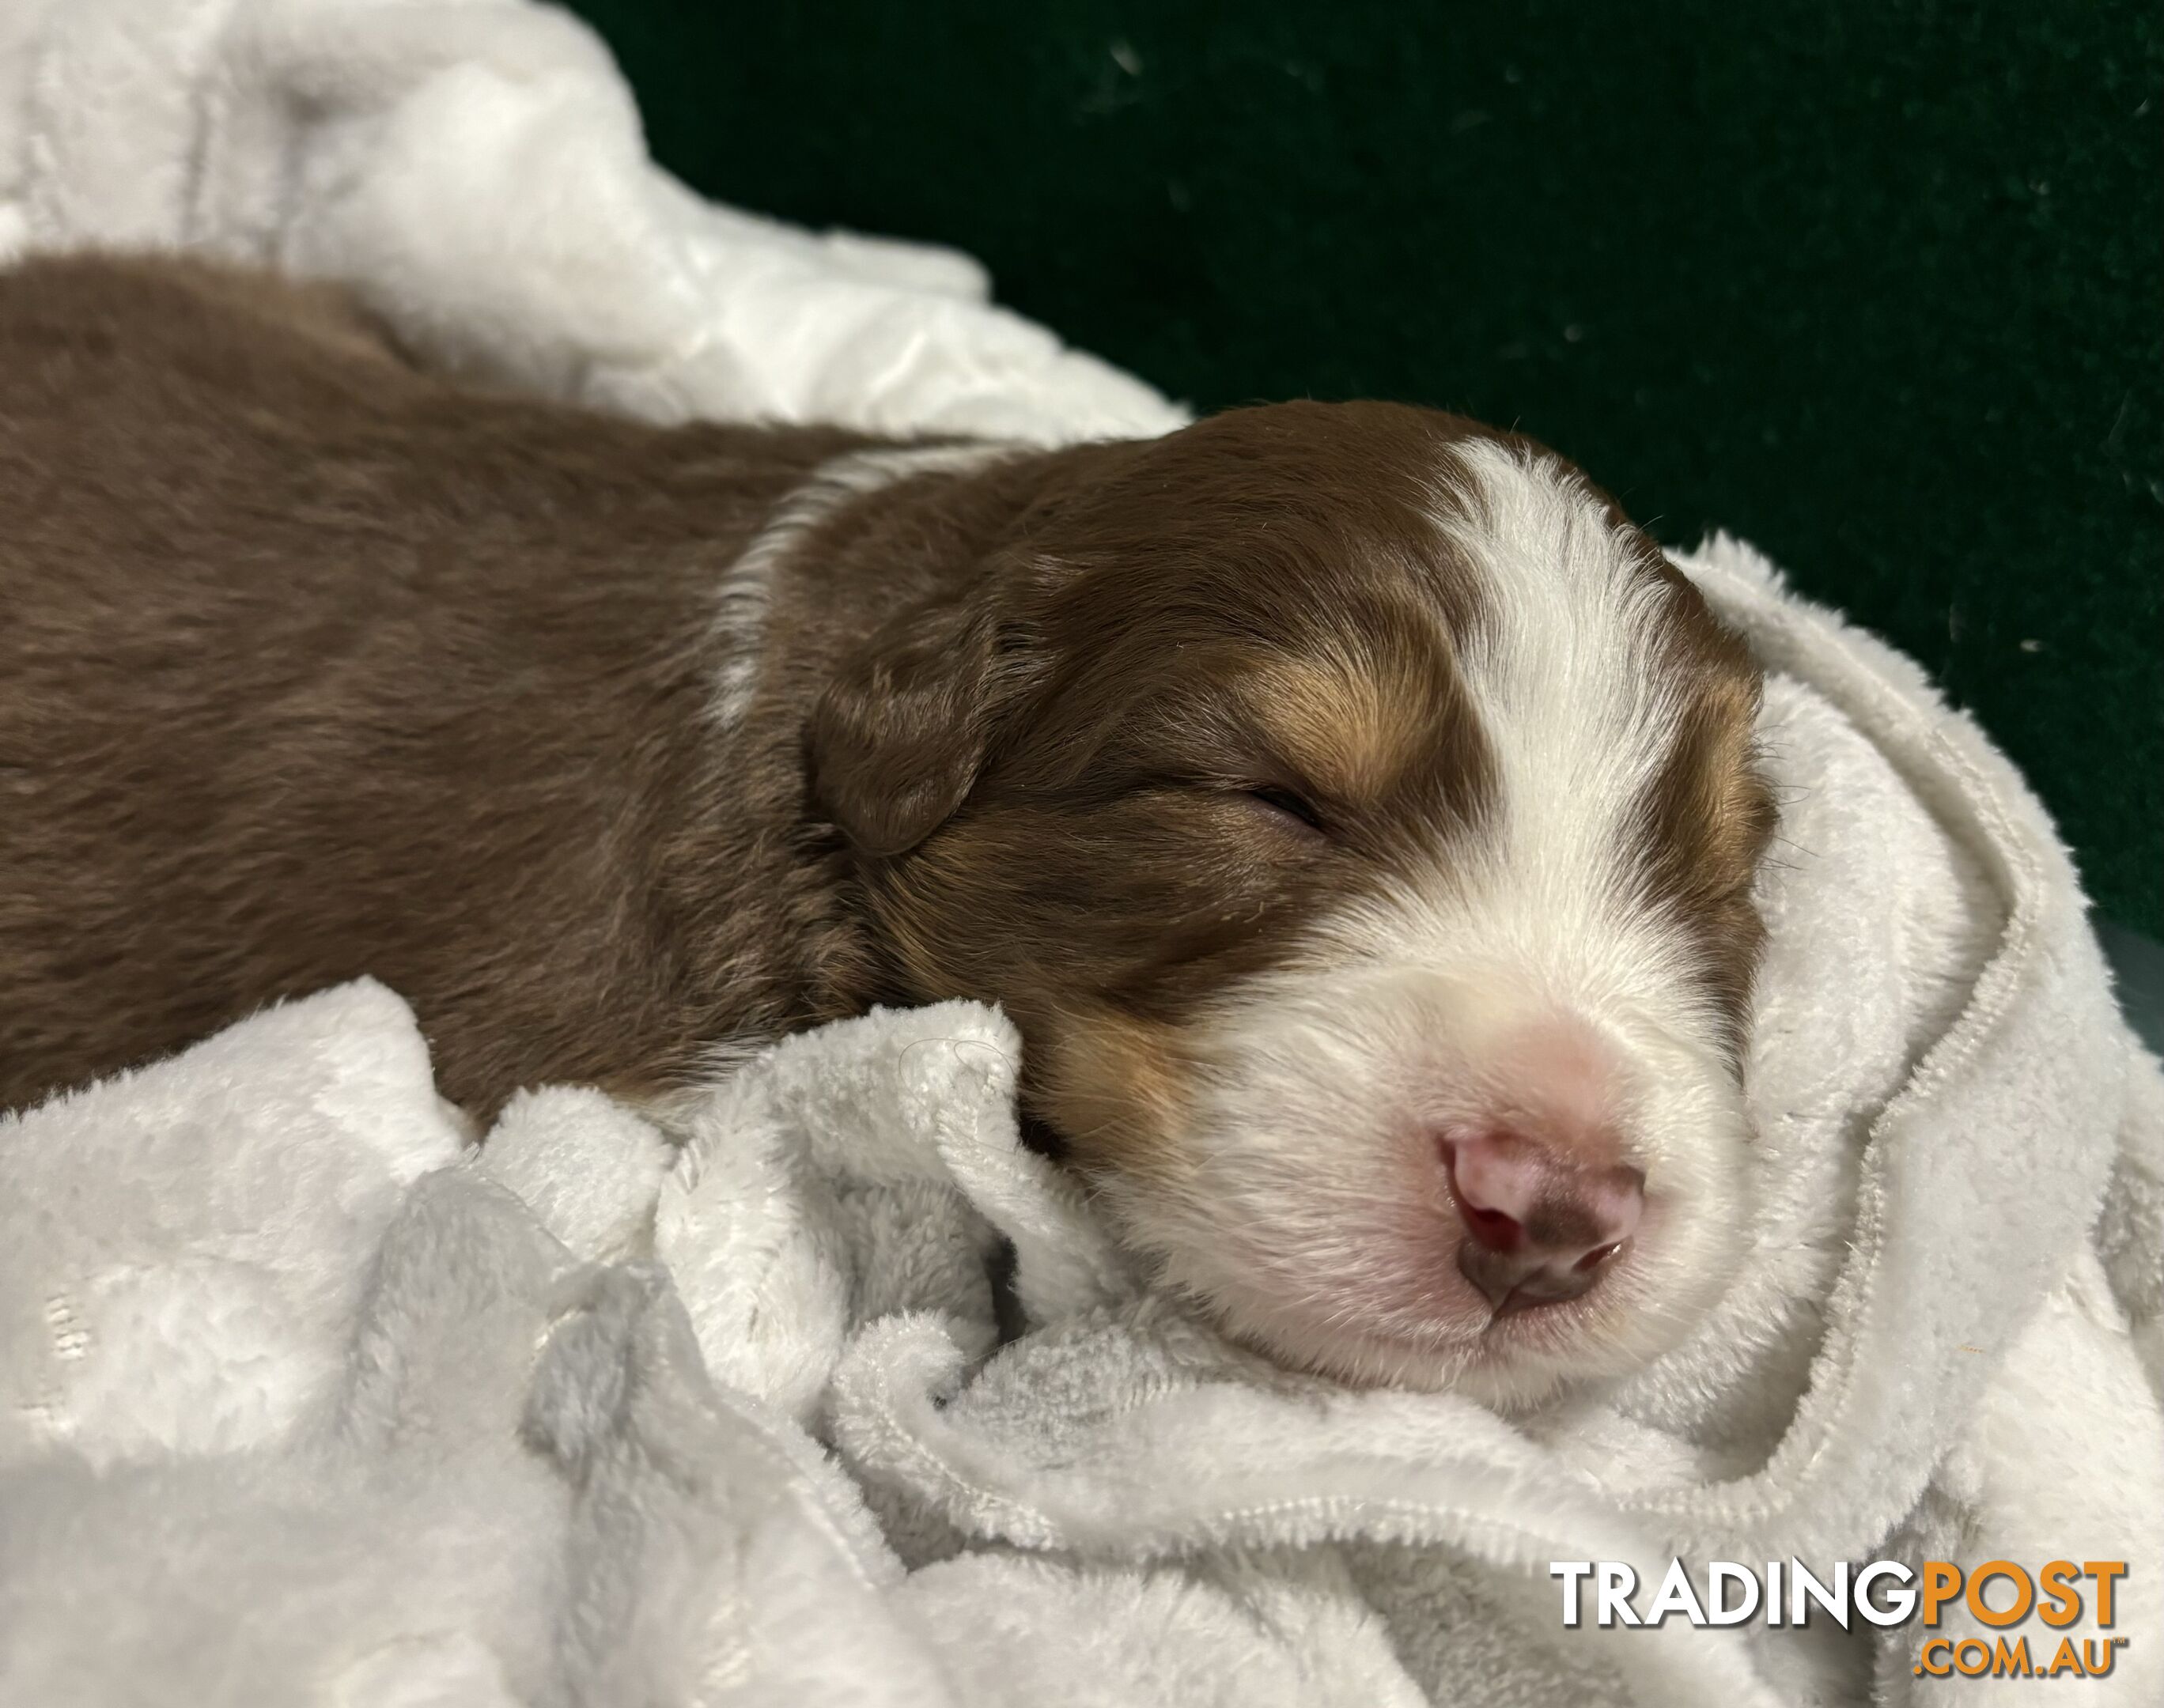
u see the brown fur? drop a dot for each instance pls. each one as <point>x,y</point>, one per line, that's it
<point>315,666</point>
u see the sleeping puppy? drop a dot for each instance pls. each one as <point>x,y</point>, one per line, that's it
<point>1355,814</point>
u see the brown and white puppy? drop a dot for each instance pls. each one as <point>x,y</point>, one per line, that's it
<point>1355,814</point>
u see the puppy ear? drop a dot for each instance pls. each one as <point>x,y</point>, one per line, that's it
<point>899,737</point>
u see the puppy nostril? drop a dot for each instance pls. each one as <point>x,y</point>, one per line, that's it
<point>1493,1187</point>
<point>1492,1228</point>
<point>1481,1210</point>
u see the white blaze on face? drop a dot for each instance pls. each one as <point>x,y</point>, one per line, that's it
<point>1523,983</point>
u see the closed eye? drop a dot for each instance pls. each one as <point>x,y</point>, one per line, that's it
<point>1292,806</point>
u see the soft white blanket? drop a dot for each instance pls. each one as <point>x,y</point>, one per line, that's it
<point>303,1399</point>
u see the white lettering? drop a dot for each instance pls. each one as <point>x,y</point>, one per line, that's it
<point>1835,1600</point>
<point>1899,1603</point>
<point>1570,1571</point>
<point>1722,1571</point>
<point>1617,1581</point>
<point>1676,1597</point>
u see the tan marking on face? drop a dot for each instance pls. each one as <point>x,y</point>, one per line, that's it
<point>1116,1089</point>
<point>1346,727</point>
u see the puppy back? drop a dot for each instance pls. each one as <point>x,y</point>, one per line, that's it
<point>315,665</point>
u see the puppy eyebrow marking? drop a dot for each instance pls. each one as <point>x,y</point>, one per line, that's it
<point>1347,731</point>
<point>1382,722</point>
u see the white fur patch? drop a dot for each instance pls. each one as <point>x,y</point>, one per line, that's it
<point>739,624</point>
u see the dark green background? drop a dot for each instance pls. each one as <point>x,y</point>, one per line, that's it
<point>1877,284</point>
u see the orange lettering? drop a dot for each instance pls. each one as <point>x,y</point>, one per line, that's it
<point>1941,1583</point>
<point>2106,1572</point>
<point>2058,1579</point>
<point>2024,1596</point>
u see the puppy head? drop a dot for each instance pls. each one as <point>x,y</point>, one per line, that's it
<point>1357,818</point>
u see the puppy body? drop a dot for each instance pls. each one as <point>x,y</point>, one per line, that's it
<point>313,666</point>
<point>1355,815</point>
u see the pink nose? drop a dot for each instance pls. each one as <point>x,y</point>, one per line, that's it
<point>1541,1224</point>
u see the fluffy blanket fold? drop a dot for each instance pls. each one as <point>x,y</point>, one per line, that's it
<point>303,1398</point>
